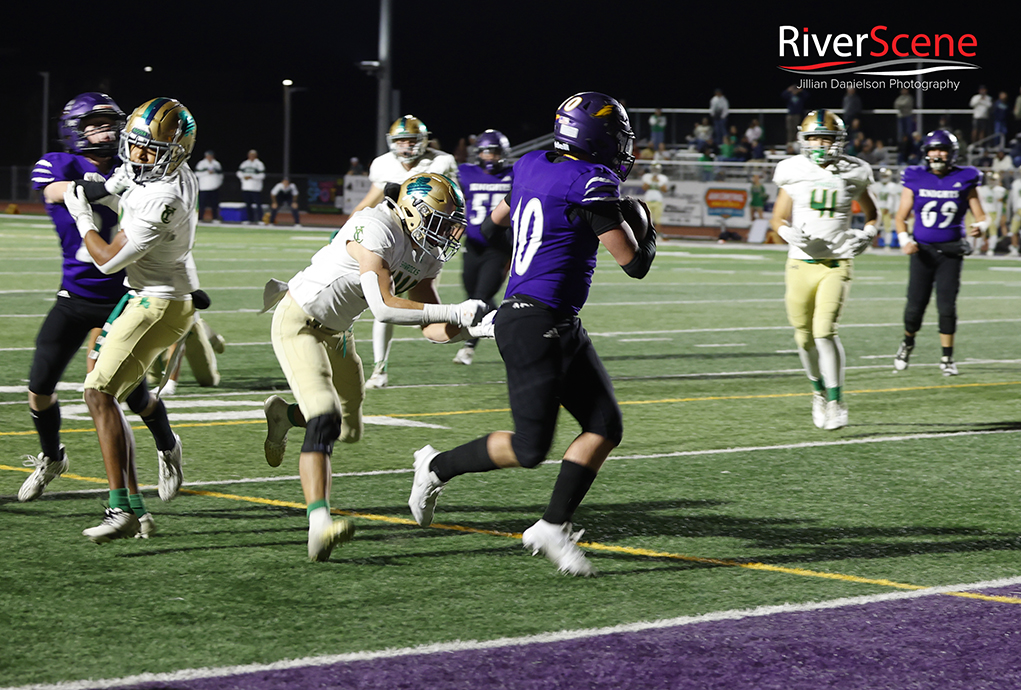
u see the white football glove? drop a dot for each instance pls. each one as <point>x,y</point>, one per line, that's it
<point>792,235</point>
<point>860,240</point>
<point>485,328</point>
<point>119,182</point>
<point>981,225</point>
<point>110,201</point>
<point>79,208</point>
<point>468,313</point>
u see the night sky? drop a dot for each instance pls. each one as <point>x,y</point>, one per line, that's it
<point>460,67</point>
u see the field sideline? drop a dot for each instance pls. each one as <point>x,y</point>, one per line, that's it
<point>737,545</point>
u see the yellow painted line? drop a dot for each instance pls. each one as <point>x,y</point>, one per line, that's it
<point>661,401</point>
<point>595,546</point>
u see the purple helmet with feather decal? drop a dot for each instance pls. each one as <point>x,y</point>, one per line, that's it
<point>73,121</point>
<point>943,140</point>
<point>596,125</point>
<point>493,141</point>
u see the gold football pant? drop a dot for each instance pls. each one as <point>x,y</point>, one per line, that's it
<point>815,296</point>
<point>322,368</point>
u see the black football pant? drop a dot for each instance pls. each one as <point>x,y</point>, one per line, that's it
<point>932,267</point>
<point>550,362</point>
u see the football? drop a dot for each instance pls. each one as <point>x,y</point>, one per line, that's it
<point>636,213</point>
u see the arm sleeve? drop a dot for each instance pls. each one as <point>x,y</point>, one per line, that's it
<point>128,254</point>
<point>639,266</point>
<point>430,313</point>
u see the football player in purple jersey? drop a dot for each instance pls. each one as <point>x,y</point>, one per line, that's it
<point>486,260</point>
<point>90,127</point>
<point>563,205</point>
<point>938,192</point>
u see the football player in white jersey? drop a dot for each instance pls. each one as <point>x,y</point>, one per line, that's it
<point>408,139</point>
<point>655,184</point>
<point>812,214</point>
<point>1014,201</point>
<point>993,197</point>
<point>380,252</point>
<point>887,195</point>
<point>156,206</point>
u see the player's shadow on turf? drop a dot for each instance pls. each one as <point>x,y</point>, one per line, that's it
<point>883,428</point>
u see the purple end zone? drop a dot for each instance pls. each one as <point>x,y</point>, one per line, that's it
<point>935,642</point>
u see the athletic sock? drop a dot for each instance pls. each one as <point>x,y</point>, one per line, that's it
<point>948,352</point>
<point>469,457</point>
<point>909,340</point>
<point>291,410</point>
<point>137,504</point>
<point>119,499</point>
<point>573,483</point>
<point>159,425</point>
<point>834,393</point>
<point>47,425</point>
<point>817,386</point>
<point>318,513</point>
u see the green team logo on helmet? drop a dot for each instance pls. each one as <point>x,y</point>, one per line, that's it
<point>420,187</point>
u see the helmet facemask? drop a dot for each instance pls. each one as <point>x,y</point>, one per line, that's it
<point>937,164</point>
<point>169,157</point>
<point>408,127</point>
<point>431,210</point>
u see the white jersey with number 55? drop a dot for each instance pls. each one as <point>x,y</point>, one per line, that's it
<point>821,200</point>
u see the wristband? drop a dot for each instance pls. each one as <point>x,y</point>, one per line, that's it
<point>903,238</point>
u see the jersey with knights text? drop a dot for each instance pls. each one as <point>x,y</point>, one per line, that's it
<point>158,218</point>
<point>330,289</point>
<point>822,202</point>
<point>80,275</point>
<point>554,246</point>
<point>387,168</point>
<point>482,193</point>
<point>940,202</point>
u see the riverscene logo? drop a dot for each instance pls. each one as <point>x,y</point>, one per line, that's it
<point>903,57</point>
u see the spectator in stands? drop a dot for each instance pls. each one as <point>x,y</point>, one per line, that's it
<point>852,105</point>
<point>210,175</point>
<point>1015,151</point>
<point>356,167</point>
<point>701,135</point>
<point>855,138</point>
<point>646,152</point>
<point>719,109</point>
<point>796,100</point>
<point>757,203</point>
<point>662,153</point>
<point>1003,164</point>
<point>1001,111</point>
<point>905,105</point>
<point>867,152</point>
<point>1017,109</point>
<point>251,172</point>
<point>285,193</point>
<point>980,105</point>
<point>754,131</point>
<point>706,159</point>
<point>657,127</point>
<point>881,153</point>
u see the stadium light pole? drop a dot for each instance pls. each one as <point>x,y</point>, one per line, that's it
<point>383,102</point>
<point>287,127</point>
<point>46,109</point>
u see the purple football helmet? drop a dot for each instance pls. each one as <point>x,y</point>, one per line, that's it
<point>492,141</point>
<point>943,140</point>
<point>82,107</point>
<point>596,125</point>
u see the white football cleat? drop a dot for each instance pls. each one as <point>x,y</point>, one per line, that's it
<point>819,410</point>
<point>557,543</point>
<point>277,425</point>
<point>948,366</point>
<point>146,527</point>
<point>426,487</point>
<point>465,355</point>
<point>116,524</point>
<point>170,470</point>
<point>379,378</point>
<point>46,471</point>
<point>836,415</point>
<point>321,541</point>
<point>900,360</point>
<point>169,389</point>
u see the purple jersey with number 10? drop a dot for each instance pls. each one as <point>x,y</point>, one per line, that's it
<point>80,275</point>
<point>940,202</point>
<point>482,193</point>
<point>554,248</point>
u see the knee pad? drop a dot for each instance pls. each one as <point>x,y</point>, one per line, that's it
<point>320,434</point>
<point>804,339</point>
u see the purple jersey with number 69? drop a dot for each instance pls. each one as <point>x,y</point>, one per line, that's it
<point>940,202</point>
<point>482,193</point>
<point>80,275</point>
<point>554,247</point>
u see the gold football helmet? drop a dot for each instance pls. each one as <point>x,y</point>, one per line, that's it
<point>408,127</point>
<point>430,207</point>
<point>822,123</point>
<point>165,127</point>
<point>993,178</point>
<point>885,175</point>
